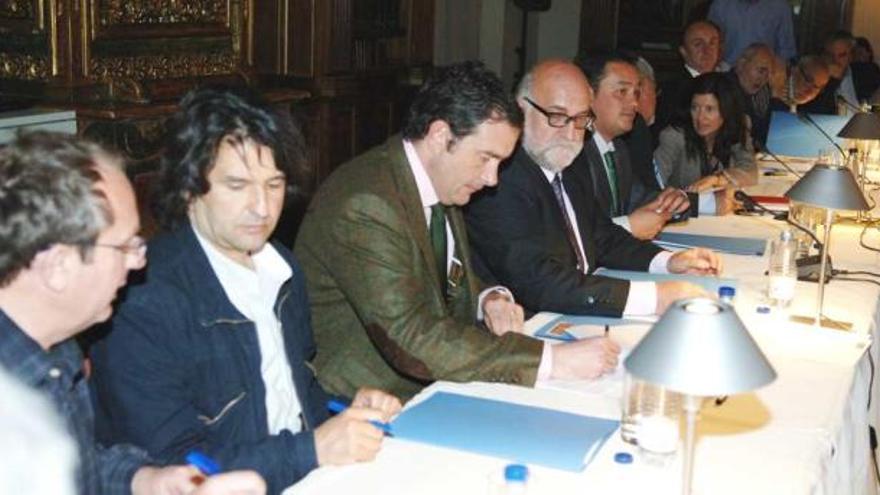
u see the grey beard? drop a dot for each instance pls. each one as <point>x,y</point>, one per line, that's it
<point>546,163</point>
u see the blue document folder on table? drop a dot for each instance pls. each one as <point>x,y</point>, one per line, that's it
<point>791,135</point>
<point>524,434</point>
<point>557,328</point>
<point>711,284</point>
<point>733,245</point>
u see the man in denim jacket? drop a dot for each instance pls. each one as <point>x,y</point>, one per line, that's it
<point>212,351</point>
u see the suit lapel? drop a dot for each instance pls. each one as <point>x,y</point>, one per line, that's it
<point>581,195</point>
<point>597,173</point>
<point>624,174</point>
<point>412,206</point>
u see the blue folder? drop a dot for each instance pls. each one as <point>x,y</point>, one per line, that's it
<point>556,328</point>
<point>733,245</point>
<point>791,135</point>
<point>523,434</point>
<point>711,284</point>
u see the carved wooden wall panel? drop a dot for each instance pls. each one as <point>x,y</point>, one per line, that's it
<point>25,48</point>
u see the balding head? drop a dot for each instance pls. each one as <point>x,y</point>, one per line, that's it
<point>555,97</point>
<point>754,67</point>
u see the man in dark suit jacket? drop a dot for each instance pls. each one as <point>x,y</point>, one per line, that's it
<point>700,51</point>
<point>640,210</point>
<point>540,232</point>
<point>394,298</point>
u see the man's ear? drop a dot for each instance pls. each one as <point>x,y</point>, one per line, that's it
<point>683,53</point>
<point>439,135</point>
<point>56,265</point>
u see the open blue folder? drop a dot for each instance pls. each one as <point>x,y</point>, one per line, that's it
<point>711,284</point>
<point>524,434</point>
<point>733,245</point>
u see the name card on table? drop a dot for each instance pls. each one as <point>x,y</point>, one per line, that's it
<point>520,433</point>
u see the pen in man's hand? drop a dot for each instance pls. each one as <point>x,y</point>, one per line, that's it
<point>337,407</point>
<point>208,466</point>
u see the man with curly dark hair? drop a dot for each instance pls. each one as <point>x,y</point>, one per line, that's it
<point>213,350</point>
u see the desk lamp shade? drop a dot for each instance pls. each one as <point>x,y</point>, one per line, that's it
<point>863,125</point>
<point>829,186</point>
<point>700,347</point>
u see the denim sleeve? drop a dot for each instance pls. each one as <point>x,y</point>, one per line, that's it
<point>116,467</point>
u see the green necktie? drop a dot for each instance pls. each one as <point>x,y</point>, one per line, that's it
<point>437,232</point>
<point>611,171</point>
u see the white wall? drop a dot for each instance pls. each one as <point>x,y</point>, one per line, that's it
<point>866,21</point>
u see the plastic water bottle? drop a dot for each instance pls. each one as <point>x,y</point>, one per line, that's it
<point>516,479</point>
<point>783,270</point>
<point>726,294</point>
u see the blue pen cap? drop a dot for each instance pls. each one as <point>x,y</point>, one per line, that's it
<point>726,293</point>
<point>205,464</point>
<point>517,473</point>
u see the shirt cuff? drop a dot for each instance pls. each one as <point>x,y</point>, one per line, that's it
<point>707,203</point>
<point>498,288</point>
<point>660,263</point>
<point>623,221</point>
<point>642,299</point>
<point>545,369</point>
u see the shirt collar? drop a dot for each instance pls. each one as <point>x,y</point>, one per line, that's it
<point>427,193</point>
<point>693,72</point>
<point>604,146</point>
<point>268,263</point>
<point>23,357</point>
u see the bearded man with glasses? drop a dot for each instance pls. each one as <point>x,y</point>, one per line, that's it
<point>542,234</point>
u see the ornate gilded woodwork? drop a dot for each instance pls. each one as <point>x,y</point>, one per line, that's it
<point>152,67</point>
<point>149,12</point>
<point>23,66</point>
<point>17,9</point>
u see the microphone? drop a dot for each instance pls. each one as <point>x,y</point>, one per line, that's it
<point>841,100</point>
<point>787,167</point>
<point>750,204</point>
<point>805,117</point>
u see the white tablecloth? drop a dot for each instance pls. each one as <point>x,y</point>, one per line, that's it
<point>804,433</point>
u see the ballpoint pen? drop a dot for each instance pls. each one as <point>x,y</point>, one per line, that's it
<point>205,464</point>
<point>337,407</point>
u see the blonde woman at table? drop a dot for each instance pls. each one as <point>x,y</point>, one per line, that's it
<point>709,152</point>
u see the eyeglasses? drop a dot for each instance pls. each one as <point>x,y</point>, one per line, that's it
<point>557,119</point>
<point>136,246</point>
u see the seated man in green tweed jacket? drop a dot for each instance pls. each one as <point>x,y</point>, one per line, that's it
<point>395,303</point>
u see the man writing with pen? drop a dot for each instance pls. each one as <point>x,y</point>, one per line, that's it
<point>213,350</point>
<point>540,231</point>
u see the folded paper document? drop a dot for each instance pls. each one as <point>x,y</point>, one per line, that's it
<point>524,434</point>
<point>732,245</point>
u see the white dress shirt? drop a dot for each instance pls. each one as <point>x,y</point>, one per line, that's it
<point>254,293</point>
<point>605,147</point>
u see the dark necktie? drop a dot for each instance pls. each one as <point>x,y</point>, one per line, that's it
<point>569,230</point>
<point>611,171</point>
<point>437,231</point>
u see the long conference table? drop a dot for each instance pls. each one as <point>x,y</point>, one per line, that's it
<point>805,433</point>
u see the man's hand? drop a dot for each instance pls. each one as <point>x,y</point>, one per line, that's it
<point>501,314</point>
<point>233,483</point>
<point>387,404</point>
<point>725,202</point>
<point>707,183</point>
<point>171,480</point>
<point>672,201</point>
<point>645,223</point>
<point>348,437</point>
<point>669,292</point>
<point>697,261</point>
<point>584,359</point>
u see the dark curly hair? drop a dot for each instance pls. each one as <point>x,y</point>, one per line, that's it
<point>463,95</point>
<point>733,130</point>
<point>206,117</point>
